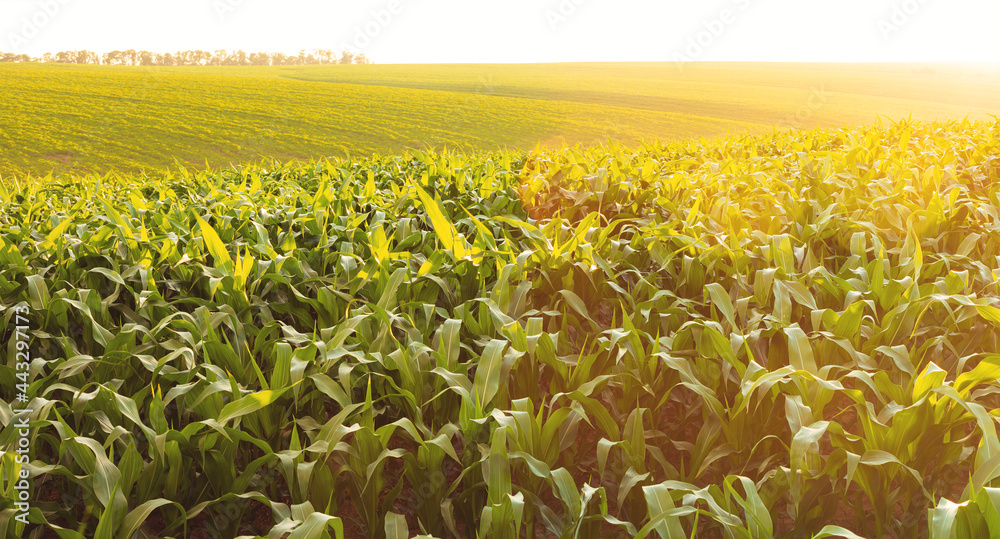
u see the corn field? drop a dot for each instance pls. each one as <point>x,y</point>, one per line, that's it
<point>784,335</point>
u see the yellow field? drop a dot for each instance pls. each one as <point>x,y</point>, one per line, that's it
<point>97,118</point>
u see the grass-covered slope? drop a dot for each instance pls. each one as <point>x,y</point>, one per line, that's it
<point>770,336</point>
<point>79,118</point>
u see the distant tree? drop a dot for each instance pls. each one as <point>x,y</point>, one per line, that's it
<point>220,57</point>
<point>87,57</point>
<point>18,58</point>
<point>240,58</point>
<point>260,59</point>
<point>325,56</point>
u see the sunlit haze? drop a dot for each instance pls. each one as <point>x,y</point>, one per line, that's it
<point>433,31</point>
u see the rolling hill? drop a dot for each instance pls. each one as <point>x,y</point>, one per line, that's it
<point>73,118</point>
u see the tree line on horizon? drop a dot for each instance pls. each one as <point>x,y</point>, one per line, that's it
<point>132,57</point>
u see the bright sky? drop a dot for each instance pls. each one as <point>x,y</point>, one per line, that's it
<point>417,31</point>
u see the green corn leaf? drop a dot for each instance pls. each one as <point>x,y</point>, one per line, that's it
<point>249,404</point>
<point>395,526</point>
<point>223,261</point>
<point>443,227</point>
<point>800,350</point>
<point>487,381</point>
<point>663,514</point>
<point>134,519</point>
<point>316,525</point>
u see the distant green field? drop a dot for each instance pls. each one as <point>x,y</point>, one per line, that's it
<point>96,118</point>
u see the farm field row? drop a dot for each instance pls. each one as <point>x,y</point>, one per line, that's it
<point>787,334</point>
